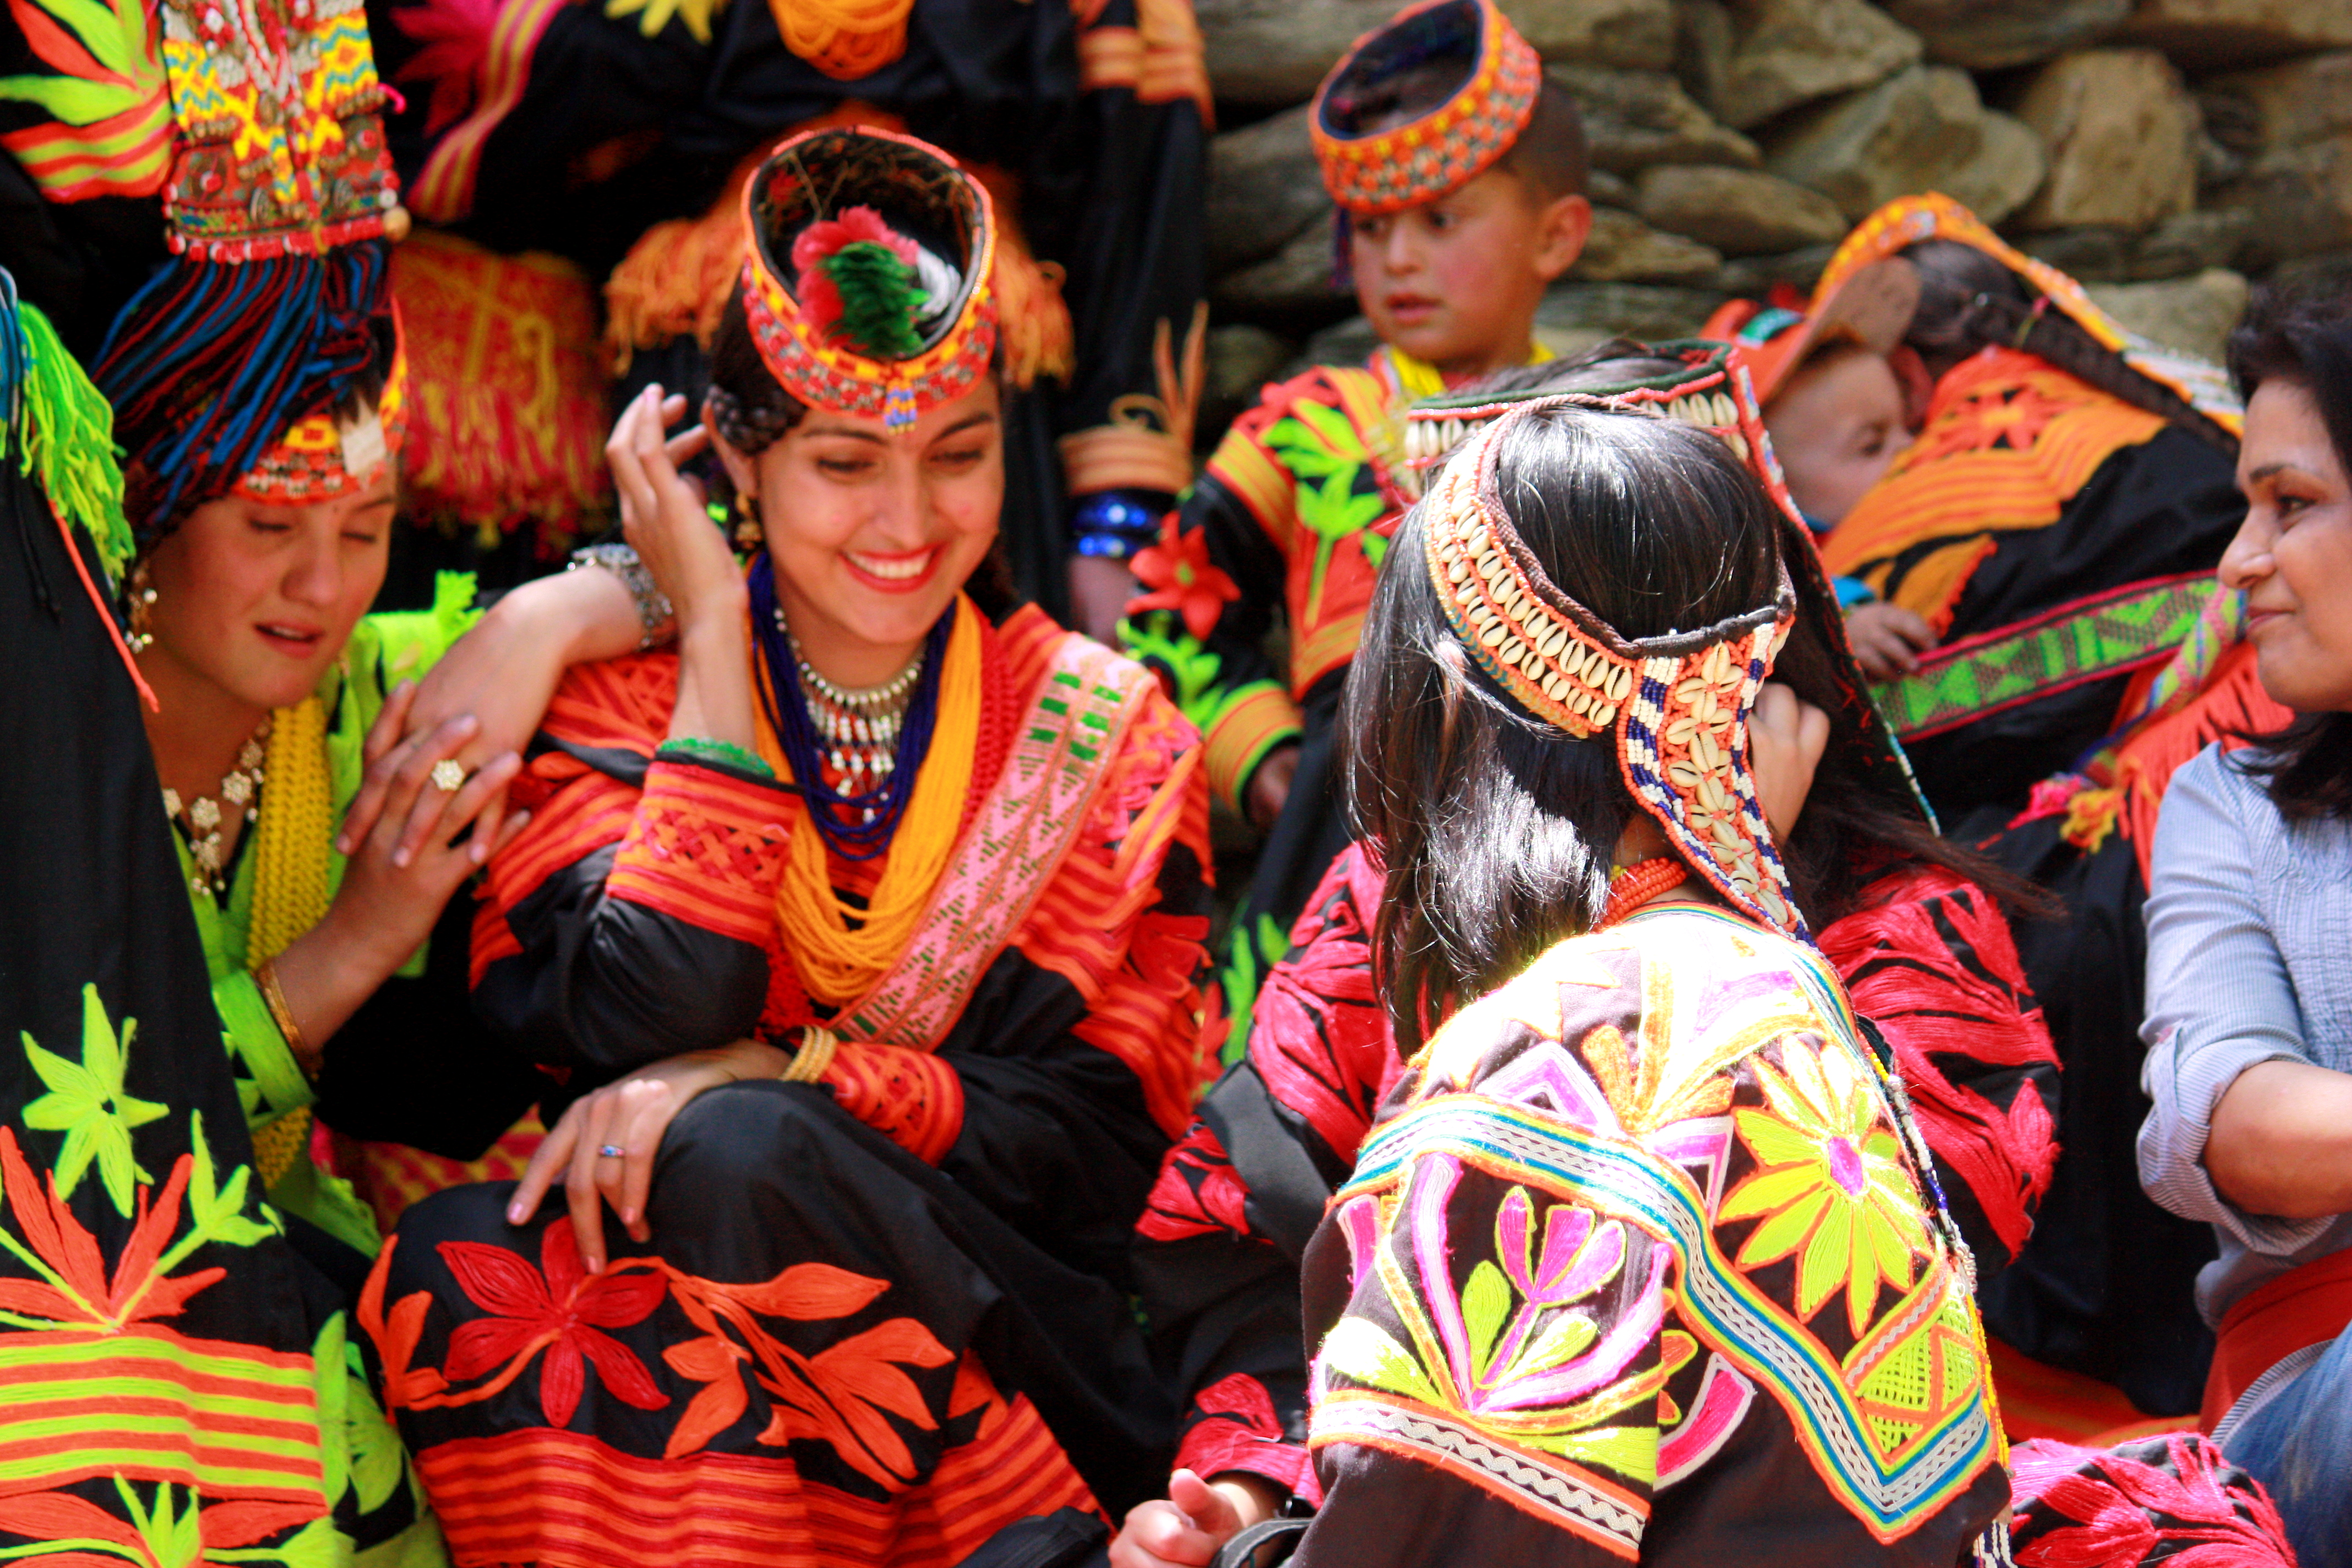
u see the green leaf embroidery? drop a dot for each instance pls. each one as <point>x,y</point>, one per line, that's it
<point>1364,1352</point>
<point>1563,1338</point>
<point>89,1105</point>
<point>375,1454</point>
<point>216,1213</point>
<point>1486,1302</point>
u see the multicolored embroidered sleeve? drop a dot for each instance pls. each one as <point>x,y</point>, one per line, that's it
<point>1929,961</point>
<point>1641,1241</point>
<point>1292,517</point>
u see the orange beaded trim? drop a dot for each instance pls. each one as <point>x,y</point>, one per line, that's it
<point>1407,165</point>
<point>318,459</point>
<point>1678,704</point>
<point>1631,887</point>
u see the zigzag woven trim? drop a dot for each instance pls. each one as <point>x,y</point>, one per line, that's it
<point>1545,1488</point>
<point>2092,639</point>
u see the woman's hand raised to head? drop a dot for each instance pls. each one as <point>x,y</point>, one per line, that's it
<point>1786,737</point>
<point>628,1115</point>
<point>664,512</point>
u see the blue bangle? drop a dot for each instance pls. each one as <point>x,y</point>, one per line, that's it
<point>1113,523</point>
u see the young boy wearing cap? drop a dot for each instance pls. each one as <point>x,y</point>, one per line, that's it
<point>1459,171</point>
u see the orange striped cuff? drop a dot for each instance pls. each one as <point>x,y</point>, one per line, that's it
<point>705,846</point>
<point>911,1098</point>
<point>1256,719</point>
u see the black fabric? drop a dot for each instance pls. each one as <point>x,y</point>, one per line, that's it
<point>603,985</point>
<point>2106,1285</point>
<point>803,1181</point>
<point>2158,510</point>
<point>416,1065</point>
<point>1279,1157</point>
<point>93,912</point>
<point>1063,1539</point>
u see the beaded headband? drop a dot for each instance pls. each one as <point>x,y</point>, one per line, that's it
<point>1713,392</point>
<point>1677,705</point>
<point>320,460</point>
<point>1386,171</point>
<point>912,197</point>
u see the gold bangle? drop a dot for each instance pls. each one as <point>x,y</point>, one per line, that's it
<point>308,1060</point>
<point>817,1045</point>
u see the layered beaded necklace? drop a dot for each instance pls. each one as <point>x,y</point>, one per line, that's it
<point>859,729</point>
<point>875,739</point>
<point>240,789</point>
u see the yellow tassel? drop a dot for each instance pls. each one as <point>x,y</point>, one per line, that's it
<point>838,964</point>
<point>291,879</point>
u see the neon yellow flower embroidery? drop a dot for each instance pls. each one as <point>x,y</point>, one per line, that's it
<point>87,1104</point>
<point>1833,1188</point>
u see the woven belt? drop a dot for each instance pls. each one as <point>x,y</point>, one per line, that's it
<point>2110,634</point>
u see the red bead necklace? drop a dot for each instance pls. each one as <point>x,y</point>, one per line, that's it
<point>1631,887</point>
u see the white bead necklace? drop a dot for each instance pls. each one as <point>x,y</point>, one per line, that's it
<point>859,728</point>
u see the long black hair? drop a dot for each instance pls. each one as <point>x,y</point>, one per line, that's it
<point>1499,831</point>
<point>2304,340</point>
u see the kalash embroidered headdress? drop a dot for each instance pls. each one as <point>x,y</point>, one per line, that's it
<point>1676,705</point>
<point>1709,389</point>
<point>1374,168</point>
<point>255,123</point>
<point>867,283</point>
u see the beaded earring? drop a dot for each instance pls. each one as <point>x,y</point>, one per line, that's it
<point>142,610</point>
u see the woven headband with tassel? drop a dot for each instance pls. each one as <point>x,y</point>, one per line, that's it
<point>1677,705</point>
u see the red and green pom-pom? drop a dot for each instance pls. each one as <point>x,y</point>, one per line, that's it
<point>879,295</point>
<point>858,283</point>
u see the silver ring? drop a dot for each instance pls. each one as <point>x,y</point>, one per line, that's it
<point>449,777</point>
<point>613,1151</point>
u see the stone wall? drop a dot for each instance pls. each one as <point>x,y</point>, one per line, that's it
<point>2164,151</point>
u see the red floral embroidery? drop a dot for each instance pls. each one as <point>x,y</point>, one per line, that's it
<point>1179,577</point>
<point>561,1313</point>
<point>843,1396</point>
<point>1234,1428</point>
<point>2174,1499</point>
<point>1319,1035</point>
<point>1930,961</point>
<point>1199,1193</point>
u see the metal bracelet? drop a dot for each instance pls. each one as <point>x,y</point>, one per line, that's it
<point>654,611</point>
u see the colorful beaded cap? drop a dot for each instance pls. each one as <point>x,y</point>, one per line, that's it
<point>280,151</point>
<point>320,460</point>
<point>1394,167</point>
<point>857,180</point>
<point>1677,705</point>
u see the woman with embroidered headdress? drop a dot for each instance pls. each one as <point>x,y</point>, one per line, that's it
<point>1627,1263</point>
<point>2055,523</point>
<point>1905,917</point>
<point>620,133</point>
<point>869,930</point>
